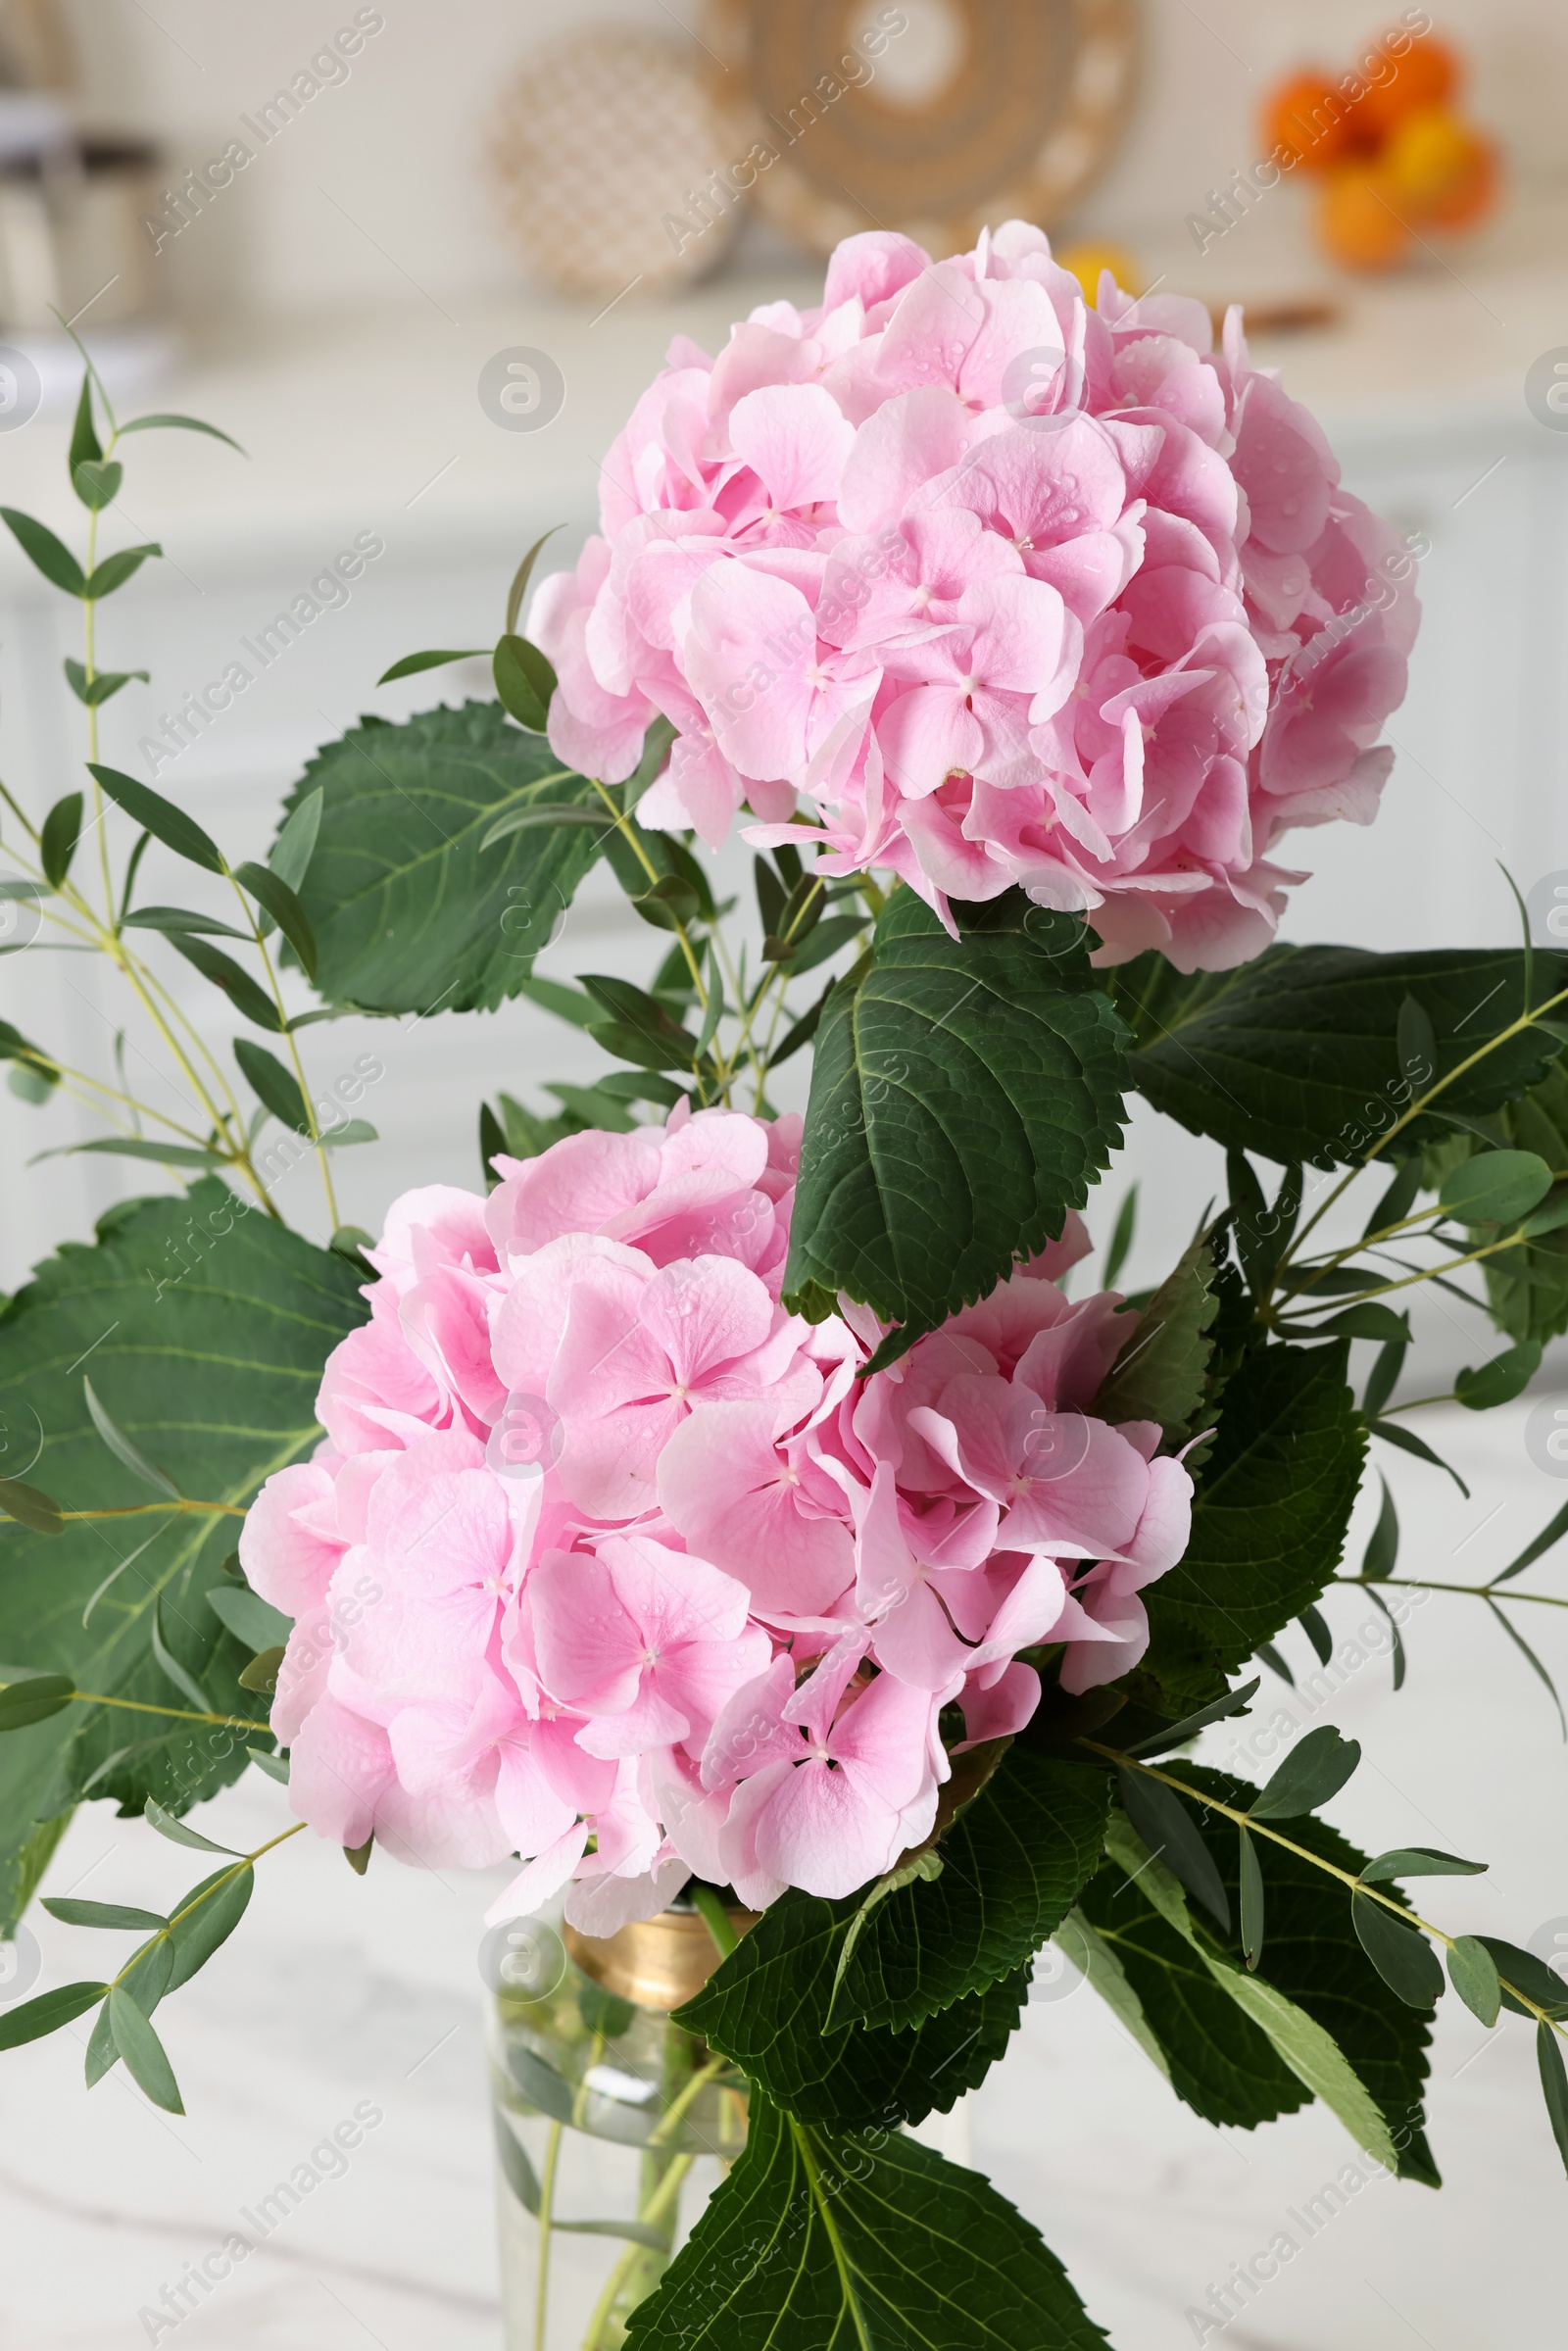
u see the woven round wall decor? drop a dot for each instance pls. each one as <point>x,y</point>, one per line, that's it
<point>933,116</point>
<point>599,147</point>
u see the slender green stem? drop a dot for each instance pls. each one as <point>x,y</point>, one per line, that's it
<point>1257,1827</point>
<point>547,2197</point>
<point>244,1861</point>
<point>276,991</point>
<point>665,2129</point>
<point>180,1714</point>
<point>1480,1591</point>
<point>707,1900</point>
<point>629,833</point>
<point>149,1509</point>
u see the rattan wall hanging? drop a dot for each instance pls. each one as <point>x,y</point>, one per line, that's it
<point>933,116</point>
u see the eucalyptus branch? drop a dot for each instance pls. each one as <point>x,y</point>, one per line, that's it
<point>1422,1101</point>
<point>1358,1885</point>
<point>1480,1591</point>
<point>287,1034</point>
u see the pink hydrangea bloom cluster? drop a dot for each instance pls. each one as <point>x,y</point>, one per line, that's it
<point>1018,591</point>
<point>608,1561</point>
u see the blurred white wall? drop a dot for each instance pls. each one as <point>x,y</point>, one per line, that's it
<point>336,205</point>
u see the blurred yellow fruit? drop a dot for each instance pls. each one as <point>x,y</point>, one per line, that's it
<point>1429,157</point>
<point>1357,219</point>
<point>1087,261</point>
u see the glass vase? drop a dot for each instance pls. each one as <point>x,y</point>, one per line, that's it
<point>612,2126</point>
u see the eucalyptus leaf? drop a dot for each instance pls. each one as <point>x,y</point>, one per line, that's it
<point>74,1913</point>
<point>57,841</point>
<point>142,2051</point>
<point>1315,1769</point>
<point>250,1618</point>
<point>179,1833</point>
<point>1419,1861</point>
<point>1494,1187</point>
<point>159,816</point>
<point>50,555</point>
<point>47,2013</point>
<point>412,663</point>
<point>1166,1827</point>
<point>121,1446</point>
<point>1401,1955</point>
<point>1473,1973</point>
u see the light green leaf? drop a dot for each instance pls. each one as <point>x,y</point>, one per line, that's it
<point>73,1913</point>
<point>408,915</point>
<point>50,555</point>
<point>142,2051</point>
<point>1315,1769</point>
<point>180,1832</point>
<point>412,663</point>
<point>1473,1973</point>
<point>1495,1187</point>
<point>250,1618</point>
<point>47,2013</point>
<point>178,423</point>
<point>204,1328</point>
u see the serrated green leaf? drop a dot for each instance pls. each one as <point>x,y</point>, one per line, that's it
<point>1311,1956</point>
<point>1020,1849</point>
<point>766,2007</point>
<point>964,1095</point>
<point>1269,1518</point>
<point>160,817</point>
<point>854,2244</point>
<point>408,915</point>
<point>204,1328</point>
<point>1162,1368</point>
<point>1401,1955</point>
<point>1295,1055</point>
<point>1315,1769</point>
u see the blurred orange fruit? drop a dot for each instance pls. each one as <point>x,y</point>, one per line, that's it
<point>1308,115</point>
<point>1356,222</point>
<point>1473,195</point>
<point>1426,76</point>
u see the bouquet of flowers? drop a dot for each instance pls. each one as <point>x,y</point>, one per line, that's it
<point>723,1507</point>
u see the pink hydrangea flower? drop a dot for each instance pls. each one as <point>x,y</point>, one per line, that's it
<point>610,1563</point>
<point>1013,590</point>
